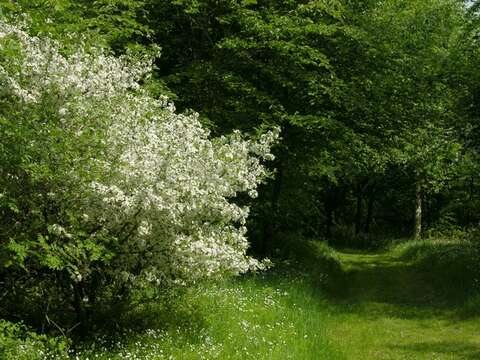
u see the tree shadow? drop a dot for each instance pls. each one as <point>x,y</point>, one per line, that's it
<point>461,349</point>
<point>379,285</point>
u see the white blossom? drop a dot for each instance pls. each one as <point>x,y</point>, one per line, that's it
<point>154,168</point>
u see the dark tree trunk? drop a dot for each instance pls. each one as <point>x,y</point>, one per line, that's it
<point>369,218</point>
<point>358,214</point>
<point>329,220</point>
<point>470,200</point>
<point>418,209</point>
<point>333,199</point>
<point>270,220</point>
<point>361,190</point>
<point>79,306</point>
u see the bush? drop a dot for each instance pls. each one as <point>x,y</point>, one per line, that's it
<point>18,343</point>
<point>105,190</point>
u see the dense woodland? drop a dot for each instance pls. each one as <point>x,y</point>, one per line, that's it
<point>352,123</point>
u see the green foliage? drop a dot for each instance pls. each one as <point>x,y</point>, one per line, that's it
<point>378,102</point>
<point>365,92</point>
<point>78,190</point>
<point>360,96</point>
<point>18,343</point>
<point>115,24</point>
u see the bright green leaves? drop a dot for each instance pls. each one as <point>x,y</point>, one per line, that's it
<point>75,253</point>
<point>18,251</point>
<point>247,3</point>
<point>116,24</point>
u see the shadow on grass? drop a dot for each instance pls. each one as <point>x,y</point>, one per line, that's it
<point>460,349</point>
<point>183,318</point>
<point>381,284</point>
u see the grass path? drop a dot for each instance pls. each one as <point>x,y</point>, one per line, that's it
<point>386,309</point>
<point>390,311</point>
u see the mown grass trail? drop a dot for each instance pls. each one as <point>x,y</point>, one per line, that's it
<point>390,310</point>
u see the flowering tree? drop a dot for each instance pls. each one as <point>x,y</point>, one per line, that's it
<point>102,185</point>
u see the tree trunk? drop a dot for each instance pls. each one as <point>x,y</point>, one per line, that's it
<point>271,220</point>
<point>470,200</point>
<point>358,215</point>
<point>81,315</point>
<point>368,220</point>
<point>329,221</point>
<point>418,209</point>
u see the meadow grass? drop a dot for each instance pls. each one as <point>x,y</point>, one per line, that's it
<point>451,265</point>
<point>255,317</point>
<point>373,305</point>
<point>395,307</point>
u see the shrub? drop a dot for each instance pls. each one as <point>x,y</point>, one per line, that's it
<point>104,189</point>
<point>18,343</point>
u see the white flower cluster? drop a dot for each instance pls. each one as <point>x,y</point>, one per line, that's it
<point>162,186</point>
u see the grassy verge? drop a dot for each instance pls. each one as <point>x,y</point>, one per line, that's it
<point>394,304</point>
<point>257,317</point>
<point>452,266</point>
<point>279,314</point>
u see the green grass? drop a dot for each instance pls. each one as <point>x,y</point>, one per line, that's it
<point>393,310</point>
<point>258,317</point>
<point>451,266</point>
<point>387,305</point>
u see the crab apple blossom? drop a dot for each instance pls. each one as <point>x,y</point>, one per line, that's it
<point>99,179</point>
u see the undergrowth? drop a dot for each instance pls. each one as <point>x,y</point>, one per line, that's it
<point>255,317</point>
<point>17,342</point>
<point>451,264</point>
<point>277,314</point>
<point>284,313</point>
